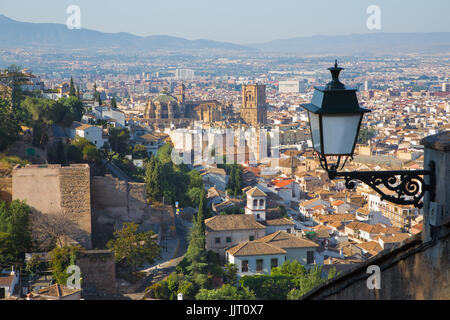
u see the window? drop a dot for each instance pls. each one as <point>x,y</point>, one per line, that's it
<point>309,257</point>
<point>255,203</point>
<point>259,265</point>
<point>228,239</point>
<point>274,263</point>
<point>251,238</point>
<point>217,240</point>
<point>261,202</point>
<point>244,267</point>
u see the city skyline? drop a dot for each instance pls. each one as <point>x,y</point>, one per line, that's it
<point>243,23</point>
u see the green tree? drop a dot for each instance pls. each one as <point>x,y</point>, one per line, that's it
<point>34,264</point>
<point>72,88</point>
<point>113,103</point>
<point>133,249</point>
<point>194,195</point>
<point>164,153</point>
<point>60,259</point>
<point>230,274</point>
<point>306,283</point>
<point>73,108</point>
<point>196,252</point>
<point>42,113</point>
<point>139,152</point>
<point>7,249</point>
<point>15,221</point>
<point>9,126</point>
<point>74,154</point>
<point>226,292</point>
<point>119,141</point>
<point>268,287</point>
<point>153,179</point>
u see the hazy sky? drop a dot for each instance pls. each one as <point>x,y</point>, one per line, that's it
<point>239,21</point>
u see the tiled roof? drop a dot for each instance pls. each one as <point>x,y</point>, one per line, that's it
<point>372,247</point>
<point>256,192</point>
<point>285,240</point>
<point>279,222</point>
<point>6,279</point>
<point>280,183</point>
<point>232,222</point>
<point>253,248</point>
<point>396,238</point>
<point>57,291</point>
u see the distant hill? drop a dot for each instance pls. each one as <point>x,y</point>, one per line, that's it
<point>370,43</point>
<point>15,34</point>
<point>50,35</point>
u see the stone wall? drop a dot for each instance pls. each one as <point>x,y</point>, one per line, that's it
<point>415,271</point>
<point>57,190</point>
<point>98,272</point>
<point>115,202</point>
<point>6,189</point>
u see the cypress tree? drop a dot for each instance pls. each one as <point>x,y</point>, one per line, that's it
<point>113,103</point>
<point>196,252</point>
<point>72,88</point>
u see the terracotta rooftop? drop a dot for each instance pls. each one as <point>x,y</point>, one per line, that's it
<point>285,240</point>
<point>372,247</point>
<point>256,192</point>
<point>279,222</point>
<point>253,248</point>
<point>232,222</point>
<point>58,291</point>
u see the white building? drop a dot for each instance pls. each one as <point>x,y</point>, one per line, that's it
<point>91,133</point>
<point>261,255</point>
<point>8,281</point>
<point>108,113</point>
<point>256,204</point>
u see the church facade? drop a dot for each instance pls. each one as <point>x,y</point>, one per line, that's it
<point>169,107</point>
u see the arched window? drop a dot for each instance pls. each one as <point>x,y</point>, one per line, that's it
<point>255,202</point>
<point>261,202</point>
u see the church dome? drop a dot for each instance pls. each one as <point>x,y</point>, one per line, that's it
<point>165,97</point>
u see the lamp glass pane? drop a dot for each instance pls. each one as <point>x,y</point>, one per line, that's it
<point>339,133</point>
<point>315,130</point>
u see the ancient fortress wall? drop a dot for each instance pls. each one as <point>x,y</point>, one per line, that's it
<point>53,189</point>
<point>115,202</point>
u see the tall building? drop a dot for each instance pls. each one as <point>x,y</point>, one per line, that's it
<point>254,107</point>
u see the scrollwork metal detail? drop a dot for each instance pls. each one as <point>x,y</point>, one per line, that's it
<point>408,186</point>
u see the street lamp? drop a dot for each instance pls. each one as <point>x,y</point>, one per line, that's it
<point>335,119</point>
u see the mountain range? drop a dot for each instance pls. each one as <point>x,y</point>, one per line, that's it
<point>16,34</point>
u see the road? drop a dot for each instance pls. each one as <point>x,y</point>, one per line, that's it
<point>165,267</point>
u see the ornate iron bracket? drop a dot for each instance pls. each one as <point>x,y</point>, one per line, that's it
<point>408,185</point>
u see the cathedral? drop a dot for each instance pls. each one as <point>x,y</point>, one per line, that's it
<point>166,107</point>
<point>254,106</point>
